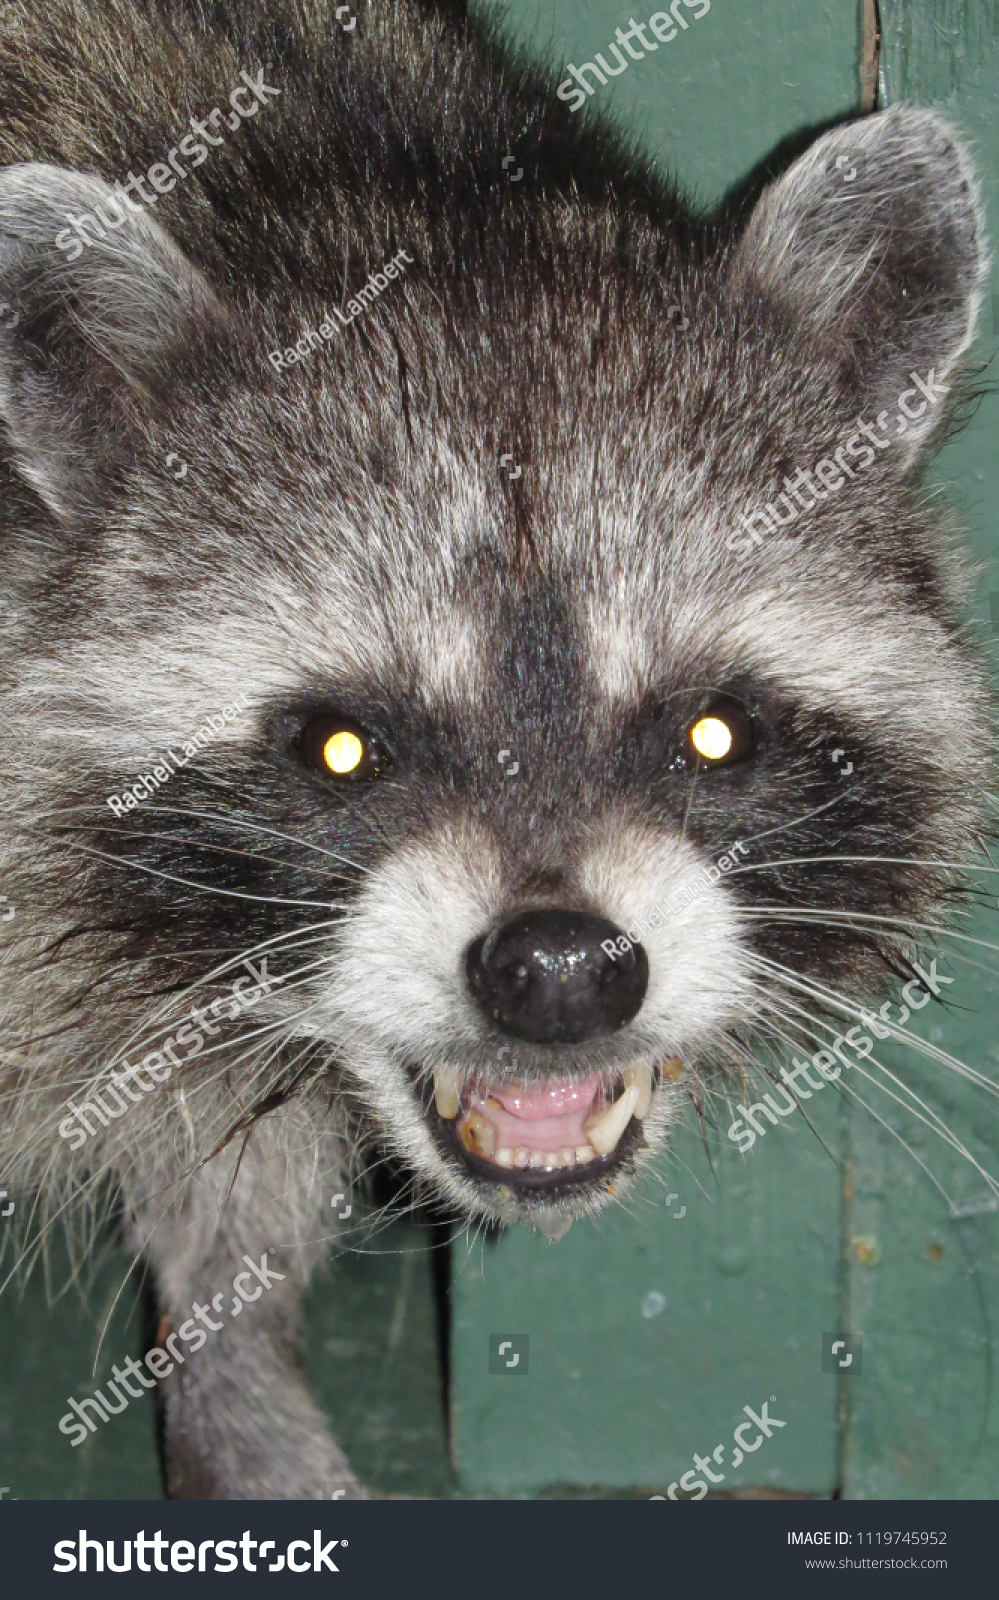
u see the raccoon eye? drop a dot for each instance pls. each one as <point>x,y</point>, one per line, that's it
<point>340,749</point>
<point>723,735</point>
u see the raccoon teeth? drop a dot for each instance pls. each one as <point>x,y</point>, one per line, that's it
<point>641,1077</point>
<point>523,1157</point>
<point>478,1135</point>
<point>544,1160</point>
<point>447,1092</point>
<point>672,1070</point>
<point>605,1129</point>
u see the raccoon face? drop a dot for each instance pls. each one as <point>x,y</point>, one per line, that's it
<point>560,792</point>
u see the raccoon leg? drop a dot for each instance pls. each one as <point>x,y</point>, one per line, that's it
<point>230,1270</point>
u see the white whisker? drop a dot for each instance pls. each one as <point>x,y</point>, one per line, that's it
<point>190,883</point>
<point>232,819</point>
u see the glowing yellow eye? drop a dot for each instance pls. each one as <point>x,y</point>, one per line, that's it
<point>337,747</point>
<point>343,752</point>
<point>711,738</point>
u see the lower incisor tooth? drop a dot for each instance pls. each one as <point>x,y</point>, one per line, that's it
<point>504,1158</point>
<point>567,1157</point>
<point>586,1152</point>
<point>605,1129</point>
<point>521,1156</point>
<point>641,1076</point>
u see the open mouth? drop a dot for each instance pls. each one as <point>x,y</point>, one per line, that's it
<point>543,1135</point>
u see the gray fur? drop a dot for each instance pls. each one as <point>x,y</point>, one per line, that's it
<point>345,537</point>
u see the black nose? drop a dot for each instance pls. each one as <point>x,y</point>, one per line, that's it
<point>545,976</point>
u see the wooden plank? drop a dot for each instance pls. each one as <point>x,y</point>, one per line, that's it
<point>49,1338</point>
<point>650,1331</point>
<point>372,1358</point>
<point>937,49</point>
<point>923,1283</point>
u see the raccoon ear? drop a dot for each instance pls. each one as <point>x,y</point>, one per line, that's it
<point>87,329</point>
<point>875,241</point>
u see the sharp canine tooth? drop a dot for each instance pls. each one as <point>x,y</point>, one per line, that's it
<point>447,1092</point>
<point>605,1129</point>
<point>641,1076</point>
<point>478,1135</point>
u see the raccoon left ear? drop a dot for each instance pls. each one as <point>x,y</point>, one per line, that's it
<point>97,304</point>
<point>875,242</point>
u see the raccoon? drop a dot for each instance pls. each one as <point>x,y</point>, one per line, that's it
<point>386,653</point>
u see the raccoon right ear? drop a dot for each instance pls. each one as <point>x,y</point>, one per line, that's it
<point>95,303</point>
<point>875,241</point>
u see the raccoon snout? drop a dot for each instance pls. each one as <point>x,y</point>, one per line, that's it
<point>545,976</point>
